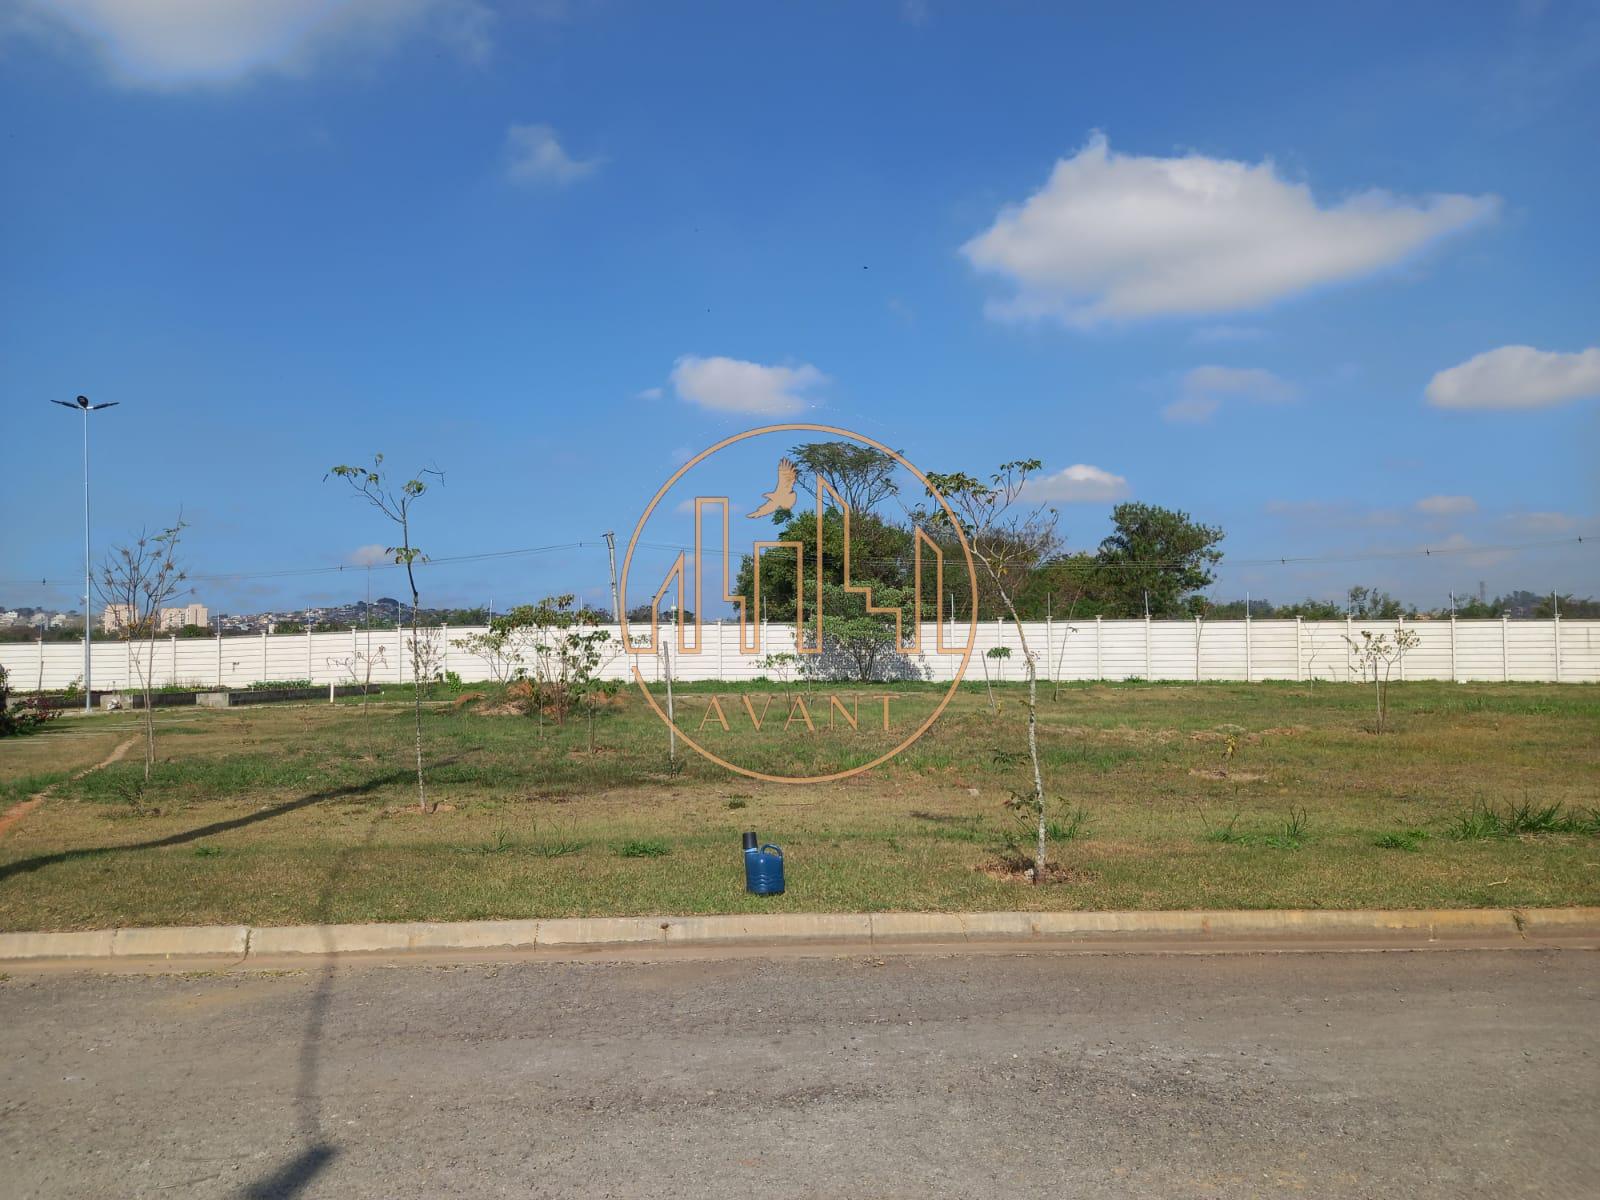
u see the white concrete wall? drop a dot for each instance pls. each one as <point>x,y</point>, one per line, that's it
<point>1554,650</point>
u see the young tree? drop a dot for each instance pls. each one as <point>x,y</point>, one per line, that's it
<point>359,667</point>
<point>136,582</point>
<point>1008,542</point>
<point>503,646</point>
<point>568,651</point>
<point>377,487</point>
<point>1375,653</point>
<point>856,643</point>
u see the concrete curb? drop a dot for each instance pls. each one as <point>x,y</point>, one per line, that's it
<point>779,929</point>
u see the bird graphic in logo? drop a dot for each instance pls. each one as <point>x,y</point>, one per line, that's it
<point>782,496</point>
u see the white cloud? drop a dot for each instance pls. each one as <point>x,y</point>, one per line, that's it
<point>1333,514</point>
<point>652,393</point>
<point>1461,544</point>
<point>1517,377</point>
<point>1193,409</point>
<point>1113,236</point>
<point>1079,482</point>
<point>535,155</point>
<point>369,556</point>
<point>1204,389</point>
<point>173,43</point>
<point>731,385</point>
<point>1447,506</point>
<point>1227,333</point>
<point>1542,522</point>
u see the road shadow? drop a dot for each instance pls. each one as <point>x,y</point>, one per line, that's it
<point>291,1178</point>
<point>318,1153</point>
<point>23,866</point>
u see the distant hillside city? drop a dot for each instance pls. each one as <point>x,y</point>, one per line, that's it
<point>196,620</point>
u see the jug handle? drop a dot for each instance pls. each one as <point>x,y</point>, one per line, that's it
<point>774,849</point>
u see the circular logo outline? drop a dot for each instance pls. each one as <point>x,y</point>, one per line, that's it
<point>972,580</point>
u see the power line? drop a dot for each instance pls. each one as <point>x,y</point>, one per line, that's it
<point>232,576</point>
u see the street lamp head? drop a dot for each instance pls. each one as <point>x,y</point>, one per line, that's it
<point>82,404</point>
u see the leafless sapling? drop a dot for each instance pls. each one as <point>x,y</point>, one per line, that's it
<point>1010,538</point>
<point>136,582</point>
<point>377,487</point>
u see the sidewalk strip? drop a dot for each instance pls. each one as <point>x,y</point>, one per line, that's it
<point>242,942</point>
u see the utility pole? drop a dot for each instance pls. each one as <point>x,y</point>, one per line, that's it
<point>616,601</point>
<point>82,404</point>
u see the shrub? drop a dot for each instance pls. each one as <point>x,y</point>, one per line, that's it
<point>643,848</point>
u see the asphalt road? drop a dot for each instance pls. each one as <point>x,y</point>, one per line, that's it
<point>1447,1073</point>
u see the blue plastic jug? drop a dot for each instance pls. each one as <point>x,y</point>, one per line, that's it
<point>763,868</point>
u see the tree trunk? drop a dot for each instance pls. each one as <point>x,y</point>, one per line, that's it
<point>1038,778</point>
<point>149,713</point>
<point>1033,740</point>
<point>416,658</point>
<point>416,691</point>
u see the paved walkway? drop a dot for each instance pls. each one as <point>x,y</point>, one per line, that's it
<point>1446,1073</point>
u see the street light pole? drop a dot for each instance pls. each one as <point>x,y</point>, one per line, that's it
<point>616,600</point>
<point>82,405</point>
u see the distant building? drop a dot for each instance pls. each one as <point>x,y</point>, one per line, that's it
<point>118,617</point>
<point>189,614</point>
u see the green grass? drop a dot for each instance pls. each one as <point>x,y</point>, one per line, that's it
<point>1409,840</point>
<point>644,848</point>
<point>1525,819</point>
<point>306,812</point>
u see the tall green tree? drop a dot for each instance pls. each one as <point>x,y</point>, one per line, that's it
<point>1159,553</point>
<point>880,555</point>
<point>863,475</point>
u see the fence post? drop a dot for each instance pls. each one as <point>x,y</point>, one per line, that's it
<point>1399,628</point>
<point>219,653</point>
<point>309,671</point>
<point>1555,629</point>
<point>172,672</point>
<point>1147,670</point>
<point>1099,674</point>
<point>1049,652</point>
<point>1197,649</point>
<point>446,628</point>
<point>1248,668</point>
<point>1298,662</point>
<point>1349,642</point>
<point>41,659</point>
<point>1454,676</point>
<point>263,675</point>
<point>1505,661</point>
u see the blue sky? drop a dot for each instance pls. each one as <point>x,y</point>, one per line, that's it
<point>1323,277</point>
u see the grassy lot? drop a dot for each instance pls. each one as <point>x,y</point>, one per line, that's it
<point>282,814</point>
